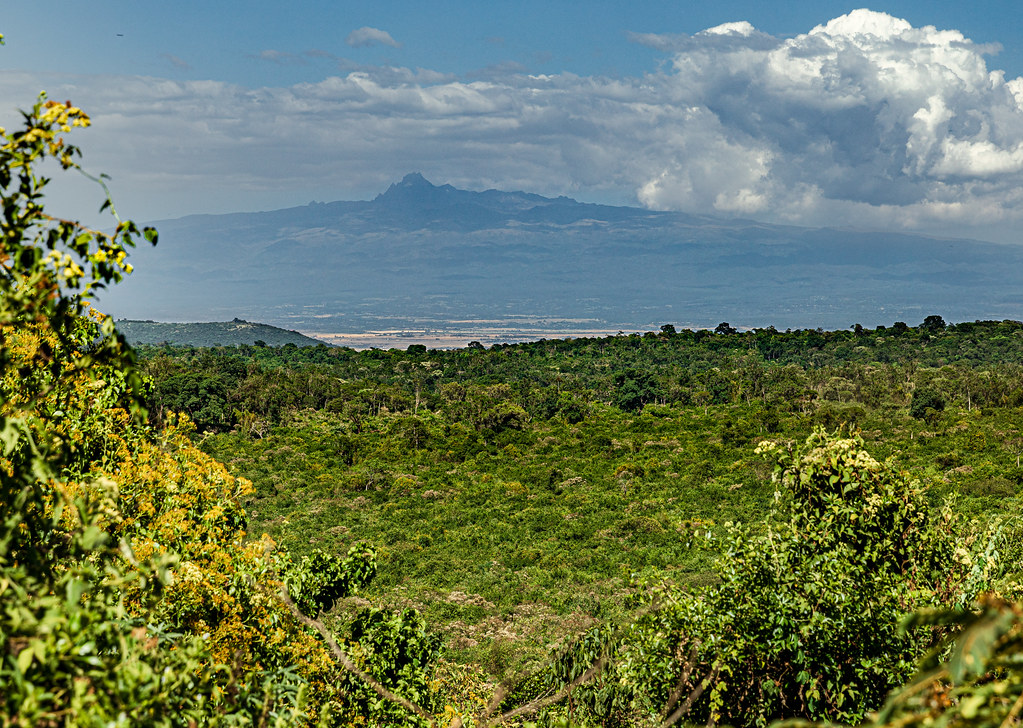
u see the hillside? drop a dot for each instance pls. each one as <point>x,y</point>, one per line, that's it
<point>219,333</point>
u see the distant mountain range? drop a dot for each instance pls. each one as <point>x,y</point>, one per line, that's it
<point>425,256</point>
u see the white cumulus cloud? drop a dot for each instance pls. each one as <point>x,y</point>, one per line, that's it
<point>864,119</point>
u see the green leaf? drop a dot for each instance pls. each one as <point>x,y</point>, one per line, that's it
<point>970,705</point>
<point>75,589</point>
<point>24,660</point>
<point>973,649</point>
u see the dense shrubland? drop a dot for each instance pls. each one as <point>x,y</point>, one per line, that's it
<point>618,490</point>
<point>597,524</point>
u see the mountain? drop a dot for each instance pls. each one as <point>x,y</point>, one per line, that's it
<point>423,255</point>
<point>220,333</point>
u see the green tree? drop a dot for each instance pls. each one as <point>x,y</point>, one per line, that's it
<point>925,403</point>
<point>633,389</point>
<point>933,324</point>
<point>401,653</point>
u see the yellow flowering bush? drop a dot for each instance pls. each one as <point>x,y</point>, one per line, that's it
<point>73,649</point>
<point>128,592</point>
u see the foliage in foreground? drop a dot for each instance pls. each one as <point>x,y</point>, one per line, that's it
<point>130,594</point>
<point>73,652</point>
<point>978,684</point>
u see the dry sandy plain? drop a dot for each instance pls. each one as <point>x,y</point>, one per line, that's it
<point>452,338</point>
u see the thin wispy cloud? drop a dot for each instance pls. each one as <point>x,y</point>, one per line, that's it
<point>498,71</point>
<point>178,63</point>
<point>319,53</point>
<point>666,42</point>
<point>367,36</point>
<point>282,58</point>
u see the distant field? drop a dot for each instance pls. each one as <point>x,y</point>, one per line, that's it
<point>393,333</point>
<point>453,338</point>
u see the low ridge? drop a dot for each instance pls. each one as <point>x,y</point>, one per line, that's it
<point>215,333</point>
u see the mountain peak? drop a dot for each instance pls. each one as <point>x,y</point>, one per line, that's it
<point>415,195</point>
<point>413,186</point>
<point>415,179</point>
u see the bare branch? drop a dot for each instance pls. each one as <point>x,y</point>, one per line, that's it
<point>539,703</point>
<point>693,697</point>
<point>347,663</point>
<point>683,679</point>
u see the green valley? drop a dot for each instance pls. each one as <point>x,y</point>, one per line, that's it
<point>523,494</point>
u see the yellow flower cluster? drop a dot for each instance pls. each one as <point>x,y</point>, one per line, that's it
<point>177,501</point>
<point>64,115</point>
<point>65,267</point>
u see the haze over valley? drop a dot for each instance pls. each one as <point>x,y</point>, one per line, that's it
<point>796,166</point>
<point>422,262</point>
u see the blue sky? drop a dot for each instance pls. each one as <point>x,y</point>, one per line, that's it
<point>223,39</point>
<point>893,118</point>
